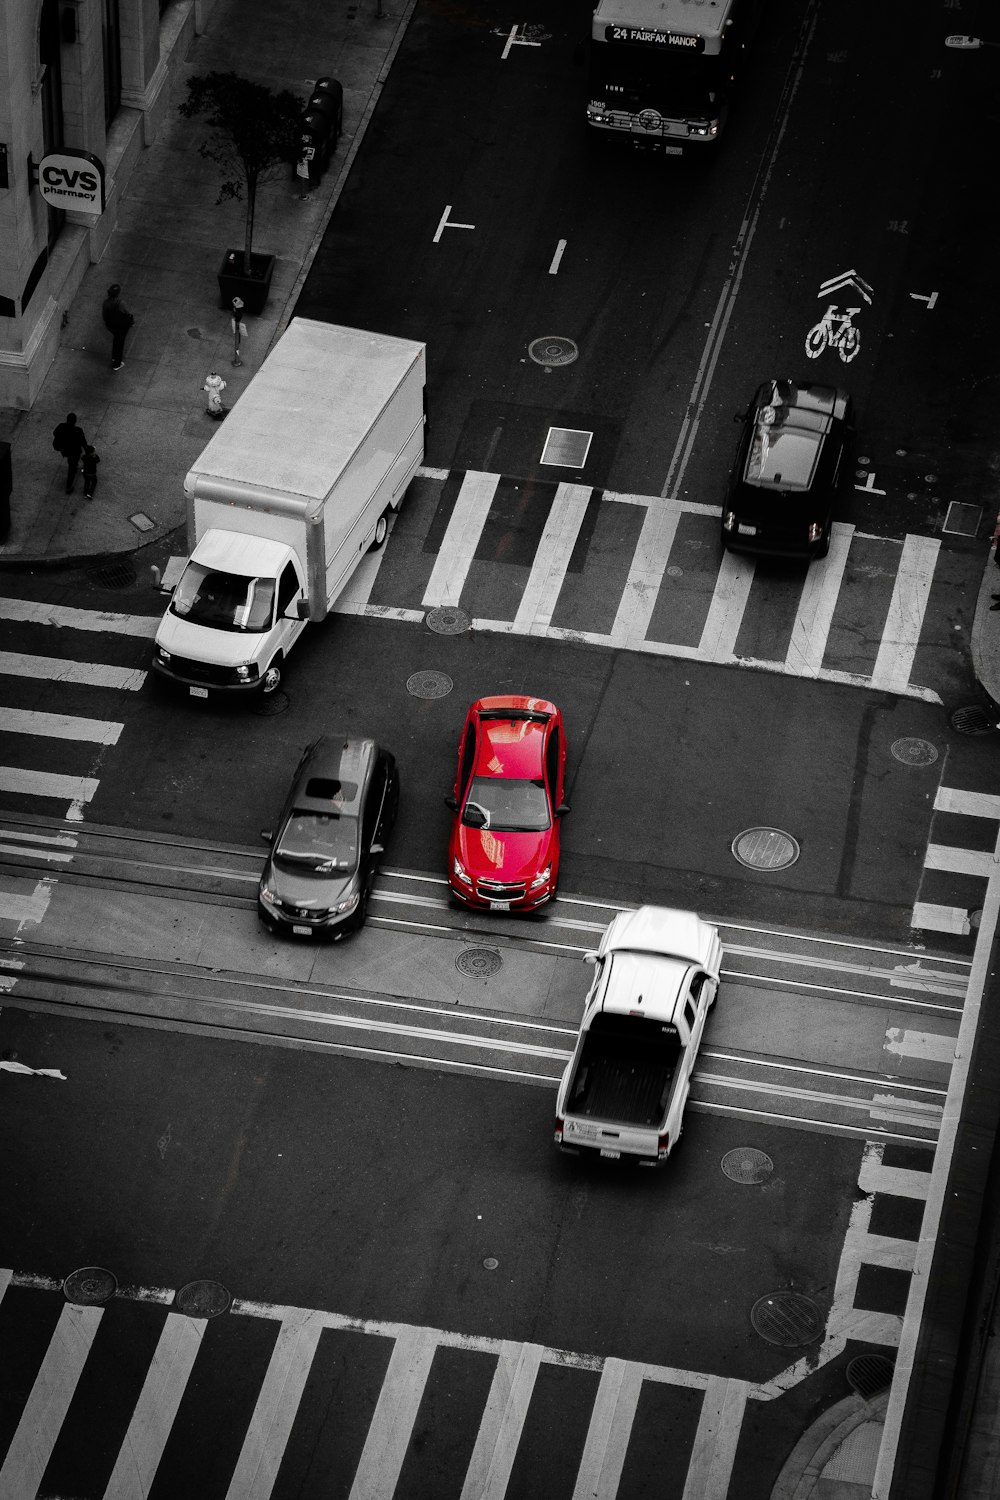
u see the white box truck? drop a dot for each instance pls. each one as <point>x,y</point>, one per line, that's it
<point>292,490</point>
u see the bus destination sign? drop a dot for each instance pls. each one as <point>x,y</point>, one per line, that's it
<point>676,40</point>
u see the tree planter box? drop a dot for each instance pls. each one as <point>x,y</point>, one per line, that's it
<point>253,289</point>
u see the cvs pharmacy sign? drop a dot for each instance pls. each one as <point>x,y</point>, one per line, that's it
<point>72,179</point>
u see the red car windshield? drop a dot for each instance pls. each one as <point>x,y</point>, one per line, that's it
<point>506,803</point>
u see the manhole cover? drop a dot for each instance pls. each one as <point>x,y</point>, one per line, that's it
<point>478,963</point>
<point>447,619</point>
<point>91,1286</point>
<point>490,1263</point>
<point>429,685</point>
<point>869,1374</point>
<point>747,1165</point>
<point>674,571</point>
<point>202,1299</point>
<point>914,752</point>
<point>268,704</point>
<point>787,1318</point>
<point>113,575</point>
<point>973,720</point>
<point>765,849</point>
<point>553,350</point>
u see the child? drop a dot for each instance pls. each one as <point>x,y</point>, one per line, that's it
<point>89,466</point>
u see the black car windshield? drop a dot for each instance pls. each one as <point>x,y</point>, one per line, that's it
<point>506,804</point>
<point>225,601</point>
<point>322,842</point>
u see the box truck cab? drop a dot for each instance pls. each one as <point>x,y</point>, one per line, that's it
<point>293,489</point>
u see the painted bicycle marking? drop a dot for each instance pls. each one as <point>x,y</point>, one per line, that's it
<point>835,330</point>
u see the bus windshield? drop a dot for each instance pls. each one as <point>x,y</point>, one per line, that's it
<point>635,77</point>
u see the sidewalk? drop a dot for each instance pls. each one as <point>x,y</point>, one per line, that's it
<point>148,421</point>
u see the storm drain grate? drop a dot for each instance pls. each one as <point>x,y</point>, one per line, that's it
<point>448,619</point>
<point>429,685</point>
<point>113,575</point>
<point>973,720</point>
<point>765,849</point>
<point>789,1319</point>
<point>962,520</point>
<point>566,448</point>
<point>913,752</point>
<point>91,1286</point>
<point>203,1299</point>
<point>747,1165</point>
<point>869,1374</point>
<point>553,350</point>
<point>478,963</point>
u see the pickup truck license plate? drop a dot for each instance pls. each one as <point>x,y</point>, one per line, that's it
<point>613,1154</point>
<point>499,906</point>
<point>303,931</point>
<point>198,692</point>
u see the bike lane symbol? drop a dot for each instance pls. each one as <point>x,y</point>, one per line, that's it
<point>835,330</point>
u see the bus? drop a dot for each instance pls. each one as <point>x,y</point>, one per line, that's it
<point>661,70</point>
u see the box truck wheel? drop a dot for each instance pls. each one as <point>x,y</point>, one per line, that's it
<point>271,679</point>
<point>381,530</point>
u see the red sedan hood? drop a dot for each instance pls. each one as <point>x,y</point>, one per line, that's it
<point>499,855</point>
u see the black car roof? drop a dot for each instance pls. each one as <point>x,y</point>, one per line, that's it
<point>335,759</point>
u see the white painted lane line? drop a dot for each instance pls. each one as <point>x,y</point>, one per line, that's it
<point>645,574</point>
<point>18,904</point>
<point>906,1111</point>
<point>156,1408</point>
<point>277,1405</point>
<point>901,634</point>
<point>86,673</point>
<point>46,1407</point>
<point>820,592</point>
<point>973,804</point>
<point>725,614</point>
<point>713,1453</point>
<point>28,612</point>
<point>441,474</point>
<point>554,267</point>
<point>75,789</point>
<point>959,861</point>
<point>928,1046</point>
<point>541,593</point>
<point>503,1419</point>
<point>60,726</point>
<point>395,1413</point>
<point>609,1431</point>
<point>458,546</point>
<point>928,917</point>
<point>60,840</point>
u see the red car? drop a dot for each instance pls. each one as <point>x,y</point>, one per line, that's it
<point>508,798</point>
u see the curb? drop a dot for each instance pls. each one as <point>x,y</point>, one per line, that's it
<point>804,1467</point>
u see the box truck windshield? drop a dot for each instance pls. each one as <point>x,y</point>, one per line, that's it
<point>224,601</point>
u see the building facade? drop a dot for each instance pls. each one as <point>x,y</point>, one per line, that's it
<point>76,76</point>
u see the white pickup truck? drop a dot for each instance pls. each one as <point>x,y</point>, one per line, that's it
<point>624,1090</point>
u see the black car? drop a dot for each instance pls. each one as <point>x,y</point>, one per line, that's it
<point>788,466</point>
<point>335,824</point>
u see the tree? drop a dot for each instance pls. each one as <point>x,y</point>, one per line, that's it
<point>255,132</point>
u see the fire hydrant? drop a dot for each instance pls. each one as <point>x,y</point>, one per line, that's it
<point>214,387</point>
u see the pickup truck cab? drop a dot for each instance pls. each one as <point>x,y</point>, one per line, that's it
<point>625,1087</point>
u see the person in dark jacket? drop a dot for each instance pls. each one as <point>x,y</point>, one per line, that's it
<point>117,320</point>
<point>69,440</point>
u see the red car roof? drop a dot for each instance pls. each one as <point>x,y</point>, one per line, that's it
<point>515,745</point>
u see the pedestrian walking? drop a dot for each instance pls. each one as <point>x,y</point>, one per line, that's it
<point>69,440</point>
<point>88,466</point>
<point>213,388</point>
<point>117,320</point>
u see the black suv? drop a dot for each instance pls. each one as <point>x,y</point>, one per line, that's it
<point>788,467</point>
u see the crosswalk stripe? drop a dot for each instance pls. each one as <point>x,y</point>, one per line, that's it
<point>645,575</point>
<point>974,804</point>
<point>277,1404</point>
<point>714,1451</point>
<point>53,669</point>
<point>928,1046</point>
<point>46,1407</point>
<point>503,1420</point>
<point>725,614</point>
<point>817,603</point>
<point>898,646</point>
<point>28,612</point>
<point>395,1413</point>
<point>959,861</point>
<point>610,1429</point>
<point>541,593</point>
<point>157,1406</point>
<point>75,789</point>
<point>461,539</point>
<point>928,916</point>
<point>60,726</point>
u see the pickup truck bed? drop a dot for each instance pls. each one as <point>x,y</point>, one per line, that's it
<point>625,1071</point>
